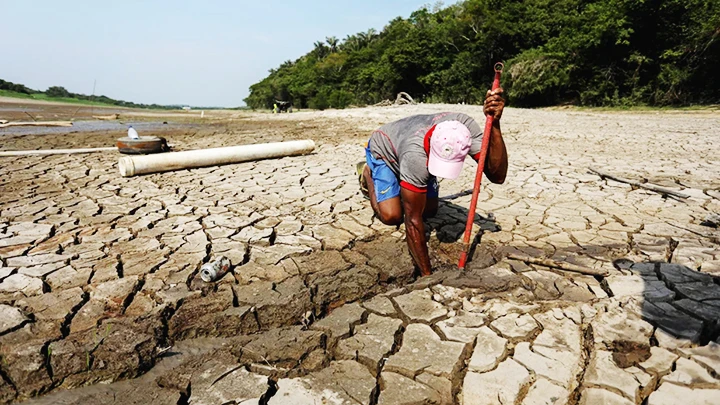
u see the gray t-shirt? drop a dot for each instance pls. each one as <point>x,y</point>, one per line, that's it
<point>401,144</point>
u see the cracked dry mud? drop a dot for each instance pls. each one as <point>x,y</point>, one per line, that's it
<point>99,283</point>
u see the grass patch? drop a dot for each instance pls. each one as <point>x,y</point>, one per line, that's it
<point>43,97</point>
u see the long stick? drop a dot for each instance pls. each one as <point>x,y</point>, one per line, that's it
<point>37,124</point>
<point>558,265</point>
<point>55,151</point>
<point>478,175</point>
<point>28,114</point>
<point>646,186</point>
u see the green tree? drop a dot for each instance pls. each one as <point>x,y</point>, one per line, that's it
<point>591,52</point>
<point>57,91</point>
<point>332,43</point>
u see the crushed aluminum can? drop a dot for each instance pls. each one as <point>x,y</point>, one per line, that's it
<point>215,269</point>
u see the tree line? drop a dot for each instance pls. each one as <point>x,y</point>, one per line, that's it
<point>61,92</point>
<point>584,52</point>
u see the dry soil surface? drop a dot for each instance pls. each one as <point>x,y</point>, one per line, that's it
<point>99,274</point>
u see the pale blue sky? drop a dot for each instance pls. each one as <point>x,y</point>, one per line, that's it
<point>172,52</point>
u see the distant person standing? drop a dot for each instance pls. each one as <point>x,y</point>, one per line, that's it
<point>404,158</point>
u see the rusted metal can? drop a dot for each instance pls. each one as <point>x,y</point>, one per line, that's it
<point>215,270</point>
<point>143,145</point>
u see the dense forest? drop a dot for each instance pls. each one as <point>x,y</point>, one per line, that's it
<point>58,92</point>
<point>585,52</point>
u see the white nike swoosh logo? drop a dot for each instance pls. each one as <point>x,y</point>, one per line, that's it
<point>386,190</point>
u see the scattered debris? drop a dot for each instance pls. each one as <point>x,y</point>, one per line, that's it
<point>110,117</point>
<point>401,99</point>
<point>634,183</point>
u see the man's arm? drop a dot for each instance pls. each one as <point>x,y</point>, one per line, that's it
<point>496,162</point>
<point>413,206</point>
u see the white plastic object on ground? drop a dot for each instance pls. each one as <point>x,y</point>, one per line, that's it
<point>132,133</point>
<point>133,165</point>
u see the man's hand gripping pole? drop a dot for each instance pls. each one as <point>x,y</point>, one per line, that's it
<point>478,175</point>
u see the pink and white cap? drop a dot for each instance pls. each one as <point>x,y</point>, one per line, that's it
<point>449,144</point>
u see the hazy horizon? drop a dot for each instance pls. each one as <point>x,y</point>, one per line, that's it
<point>172,53</point>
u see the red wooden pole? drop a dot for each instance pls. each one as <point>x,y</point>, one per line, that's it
<point>478,175</point>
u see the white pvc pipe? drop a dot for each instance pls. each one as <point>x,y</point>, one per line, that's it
<point>54,151</point>
<point>163,162</point>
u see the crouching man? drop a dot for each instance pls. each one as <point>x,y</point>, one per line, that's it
<point>404,158</point>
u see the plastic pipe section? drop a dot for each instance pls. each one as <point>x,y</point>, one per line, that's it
<point>134,165</point>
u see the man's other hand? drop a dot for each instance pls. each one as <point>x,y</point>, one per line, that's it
<point>494,103</point>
